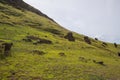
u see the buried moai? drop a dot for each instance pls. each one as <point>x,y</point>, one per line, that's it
<point>115,45</point>
<point>87,39</point>
<point>119,54</point>
<point>7,48</point>
<point>69,36</point>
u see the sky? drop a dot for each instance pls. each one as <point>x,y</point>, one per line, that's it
<point>94,18</point>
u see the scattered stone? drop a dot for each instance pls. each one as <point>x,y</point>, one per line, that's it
<point>68,47</point>
<point>35,43</point>
<point>54,31</point>
<point>37,40</point>
<point>38,52</point>
<point>83,59</point>
<point>87,40</point>
<point>62,54</point>
<point>27,40</point>
<point>69,36</point>
<point>99,62</point>
<point>94,61</point>
<point>32,37</point>
<point>44,41</point>
<point>12,72</point>
<point>104,44</point>
<point>45,36</point>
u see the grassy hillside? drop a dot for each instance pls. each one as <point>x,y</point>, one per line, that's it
<point>59,60</point>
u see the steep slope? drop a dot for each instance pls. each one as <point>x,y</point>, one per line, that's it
<point>20,4</point>
<point>54,58</point>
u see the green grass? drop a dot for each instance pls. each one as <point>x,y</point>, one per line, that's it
<point>26,65</point>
